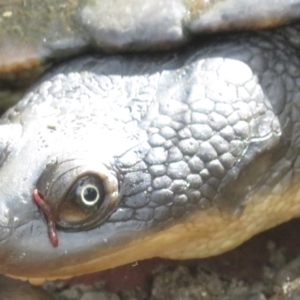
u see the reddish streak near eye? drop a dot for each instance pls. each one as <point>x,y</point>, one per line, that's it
<point>40,202</point>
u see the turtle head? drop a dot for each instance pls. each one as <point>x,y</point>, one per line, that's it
<point>70,154</point>
<point>109,161</point>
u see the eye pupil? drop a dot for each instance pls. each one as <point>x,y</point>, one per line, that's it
<point>90,194</point>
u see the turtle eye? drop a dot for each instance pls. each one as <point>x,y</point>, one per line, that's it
<point>84,199</point>
<point>80,194</point>
<point>88,192</point>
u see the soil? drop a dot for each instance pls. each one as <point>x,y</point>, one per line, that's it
<point>265,267</point>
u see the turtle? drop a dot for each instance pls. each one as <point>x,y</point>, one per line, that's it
<point>126,155</point>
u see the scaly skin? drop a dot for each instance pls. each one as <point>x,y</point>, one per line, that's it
<point>197,150</point>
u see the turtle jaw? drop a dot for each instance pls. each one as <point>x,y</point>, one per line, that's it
<point>201,234</point>
<point>27,253</point>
